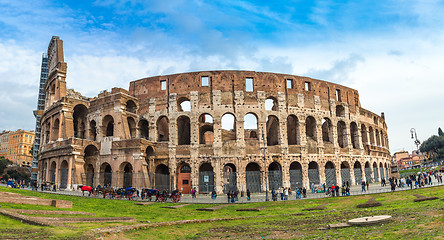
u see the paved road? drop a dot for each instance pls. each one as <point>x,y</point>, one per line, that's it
<point>260,197</point>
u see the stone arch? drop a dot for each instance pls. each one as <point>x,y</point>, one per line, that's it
<point>372,135</point>
<point>89,174</point>
<point>162,178</point>
<point>127,170</point>
<point>52,172</point>
<point>90,156</point>
<point>310,128</point>
<point>162,129</point>
<point>345,173</point>
<point>368,172</point>
<point>131,106</point>
<point>183,104</point>
<point>183,130</point>
<point>271,104</point>
<point>330,173</point>
<point>274,176</point>
<point>358,172</point>
<point>342,134</point>
<point>364,134</point>
<point>295,175</point>
<point>79,120</point>
<point>293,134</point>
<point>206,131</point>
<point>131,127</point>
<point>253,177</point>
<point>55,130</point>
<point>108,125</point>
<point>106,174</point>
<point>376,175</point>
<point>313,173</point>
<point>354,135</point>
<point>144,129</point>
<point>378,138</point>
<point>272,128</point>
<point>250,126</point>
<point>386,166</point>
<point>229,177</point>
<point>228,123</point>
<point>93,130</point>
<point>206,178</point>
<point>63,174</point>
<point>184,178</point>
<point>340,111</point>
<point>327,130</point>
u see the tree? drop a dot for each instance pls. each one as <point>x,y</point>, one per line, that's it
<point>434,145</point>
<point>440,132</point>
<point>4,162</point>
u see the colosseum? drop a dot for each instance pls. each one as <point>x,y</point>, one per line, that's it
<point>209,130</point>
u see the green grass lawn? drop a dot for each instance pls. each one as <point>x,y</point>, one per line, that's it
<point>422,220</point>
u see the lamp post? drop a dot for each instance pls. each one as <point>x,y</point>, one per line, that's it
<point>265,170</point>
<point>417,143</point>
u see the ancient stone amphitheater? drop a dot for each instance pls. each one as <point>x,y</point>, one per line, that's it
<point>220,130</point>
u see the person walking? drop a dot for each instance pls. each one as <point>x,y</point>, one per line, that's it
<point>286,194</point>
<point>248,195</point>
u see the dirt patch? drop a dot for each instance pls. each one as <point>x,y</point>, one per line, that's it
<point>211,209</point>
<point>370,203</point>
<point>16,198</point>
<point>49,212</point>
<point>256,209</point>
<point>420,198</point>
<point>320,207</point>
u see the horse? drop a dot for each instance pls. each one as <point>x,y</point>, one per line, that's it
<point>84,188</point>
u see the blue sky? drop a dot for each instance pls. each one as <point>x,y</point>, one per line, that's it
<point>390,51</point>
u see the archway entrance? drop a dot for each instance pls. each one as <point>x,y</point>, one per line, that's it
<point>184,178</point>
<point>90,156</point>
<point>381,171</point>
<point>63,175</point>
<point>230,178</point>
<point>375,172</point>
<point>313,173</point>
<point>162,178</point>
<point>206,178</point>
<point>52,172</point>
<point>358,172</point>
<point>274,176</point>
<point>345,173</point>
<point>89,181</point>
<point>330,174</point>
<point>127,175</point>
<point>368,172</point>
<point>253,177</point>
<point>106,175</point>
<point>295,175</point>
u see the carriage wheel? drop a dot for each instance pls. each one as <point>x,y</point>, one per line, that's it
<point>175,198</point>
<point>161,198</point>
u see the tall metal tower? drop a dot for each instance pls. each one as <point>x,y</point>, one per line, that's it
<point>38,114</point>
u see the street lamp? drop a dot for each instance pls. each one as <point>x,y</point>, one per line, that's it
<point>417,143</point>
<point>265,170</point>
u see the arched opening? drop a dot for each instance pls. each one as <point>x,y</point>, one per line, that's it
<point>162,178</point>
<point>310,128</point>
<point>132,127</point>
<point>274,176</point>
<point>183,130</point>
<point>364,134</point>
<point>386,170</point>
<point>79,120</point>
<point>271,104</point>
<point>108,124</point>
<point>372,135</point>
<point>345,173</point>
<point>250,126</point>
<point>206,133</point>
<point>131,106</point>
<point>184,178</point>
<point>368,172</point>
<point>229,177</point>
<point>52,172</point>
<point>295,175</point>
<point>106,175</point>
<point>342,134</point>
<point>375,172</point>
<point>63,175</point>
<point>378,138</point>
<point>90,157</point>
<point>183,105</point>
<point>293,134</point>
<point>313,173</point>
<point>381,171</point>
<point>143,128</point>
<point>253,177</point>
<point>358,172</point>
<point>272,130</point>
<point>206,178</point>
<point>55,130</point>
<point>327,130</point>
<point>162,129</point>
<point>93,130</point>
<point>330,174</point>
<point>228,123</point>
<point>354,135</point>
<point>127,175</point>
<point>340,111</point>
<point>47,131</point>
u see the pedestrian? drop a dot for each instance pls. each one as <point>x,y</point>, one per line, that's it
<point>213,194</point>
<point>363,186</point>
<point>313,188</point>
<point>228,196</point>
<point>337,190</point>
<point>273,195</point>
<point>286,194</point>
<point>248,195</point>
<point>304,192</point>
<point>367,185</point>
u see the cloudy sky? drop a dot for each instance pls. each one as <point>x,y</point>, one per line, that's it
<point>391,51</point>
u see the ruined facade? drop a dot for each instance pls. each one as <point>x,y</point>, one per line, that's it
<point>209,130</point>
